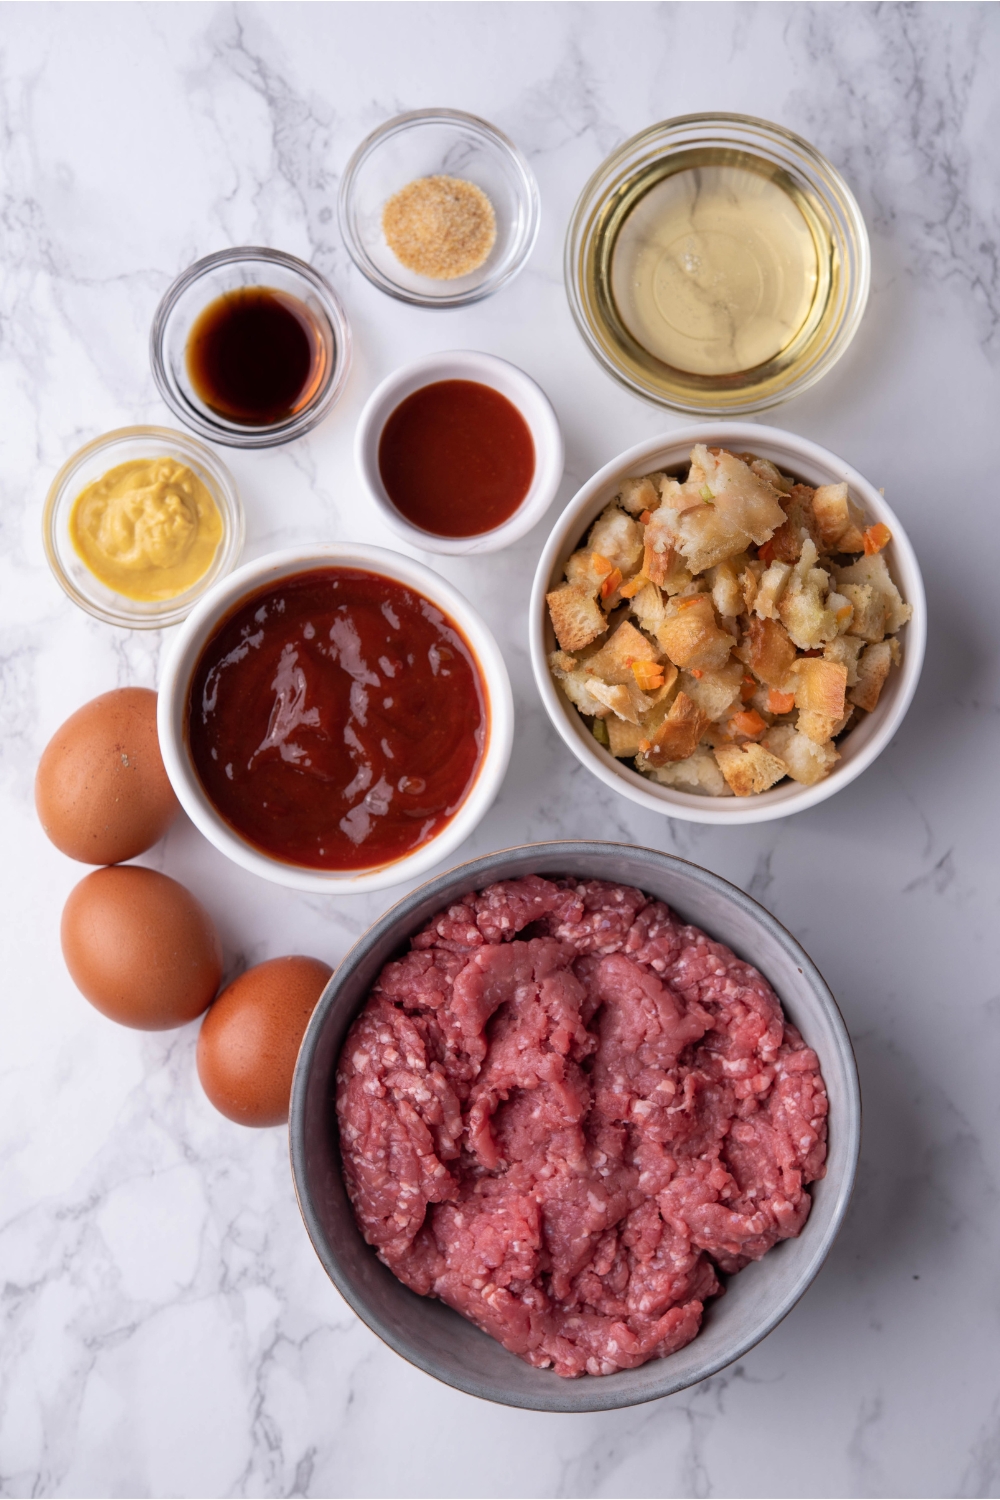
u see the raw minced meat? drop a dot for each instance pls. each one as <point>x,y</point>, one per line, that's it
<point>564,1112</point>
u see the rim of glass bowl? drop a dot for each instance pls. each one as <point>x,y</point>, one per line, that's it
<point>528,198</point>
<point>775,144</point>
<point>219,429</point>
<point>137,614</point>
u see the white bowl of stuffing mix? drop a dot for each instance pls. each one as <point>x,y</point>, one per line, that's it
<point>727,625</point>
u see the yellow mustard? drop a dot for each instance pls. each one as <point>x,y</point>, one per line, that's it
<point>148,529</point>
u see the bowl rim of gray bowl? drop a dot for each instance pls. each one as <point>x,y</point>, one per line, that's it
<point>485,1369</point>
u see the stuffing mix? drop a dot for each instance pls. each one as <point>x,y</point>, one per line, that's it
<point>565,1112</point>
<point>724,630</point>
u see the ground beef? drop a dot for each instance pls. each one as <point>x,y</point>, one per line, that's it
<point>564,1113</point>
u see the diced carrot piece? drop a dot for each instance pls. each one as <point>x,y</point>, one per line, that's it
<point>749,723</point>
<point>747,688</point>
<point>601,565</point>
<point>648,675</point>
<point>610,583</point>
<point>876,537</point>
<point>779,703</point>
<point>697,672</point>
<point>630,589</point>
<point>646,517</point>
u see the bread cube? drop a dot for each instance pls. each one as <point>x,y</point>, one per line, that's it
<point>803,604</point>
<point>617,537</point>
<point>691,635</point>
<point>678,735</point>
<point>819,685</point>
<point>770,589</point>
<point>638,495</point>
<point>613,662</point>
<point>577,618</point>
<point>699,772</point>
<point>749,768</point>
<point>770,654</point>
<point>873,669</point>
<point>574,682</point>
<point>818,727</point>
<point>737,508</point>
<point>727,596</point>
<point>874,572</point>
<point>623,738</point>
<point>714,692</point>
<point>867,610</point>
<point>587,570</point>
<point>649,608</point>
<point>807,762</point>
<point>845,649</point>
<point>624,699</point>
<point>839,520</point>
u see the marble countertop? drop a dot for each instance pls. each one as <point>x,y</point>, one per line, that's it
<point>166,1327</point>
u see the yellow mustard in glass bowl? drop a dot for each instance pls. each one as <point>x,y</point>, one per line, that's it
<point>149,529</point>
<point>139,523</point>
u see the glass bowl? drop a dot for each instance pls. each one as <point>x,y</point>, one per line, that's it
<point>204,283</point>
<point>827,219</point>
<point>427,143</point>
<point>89,463</point>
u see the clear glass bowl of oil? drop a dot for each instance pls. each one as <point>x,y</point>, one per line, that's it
<point>717,264</point>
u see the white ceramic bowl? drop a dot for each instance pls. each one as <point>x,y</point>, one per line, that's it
<point>433,1336</point>
<point>810,463</point>
<point>530,400</point>
<point>183,658</point>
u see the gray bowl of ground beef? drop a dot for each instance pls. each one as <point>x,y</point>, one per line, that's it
<point>431,1334</point>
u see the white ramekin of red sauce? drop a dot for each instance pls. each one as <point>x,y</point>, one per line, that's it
<point>460,452</point>
<point>335,718</point>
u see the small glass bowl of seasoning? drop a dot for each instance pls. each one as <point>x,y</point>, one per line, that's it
<point>139,523</point>
<point>717,264</point>
<point>460,452</point>
<point>250,347</point>
<point>438,208</point>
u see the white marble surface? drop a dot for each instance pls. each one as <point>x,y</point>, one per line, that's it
<point>166,1327</point>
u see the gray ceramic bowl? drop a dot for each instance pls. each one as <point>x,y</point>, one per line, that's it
<point>432,1336</point>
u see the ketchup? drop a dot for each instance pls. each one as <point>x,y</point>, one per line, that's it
<point>456,458</point>
<point>337,719</point>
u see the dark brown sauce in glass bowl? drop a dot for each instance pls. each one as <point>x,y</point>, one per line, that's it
<point>256,356</point>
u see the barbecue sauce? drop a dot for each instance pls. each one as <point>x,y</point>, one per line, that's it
<point>337,719</point>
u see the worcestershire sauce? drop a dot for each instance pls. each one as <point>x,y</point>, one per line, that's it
<point>255,356</point>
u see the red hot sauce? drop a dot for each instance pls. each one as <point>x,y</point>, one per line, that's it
<point>337,719</point>
<point>456,458</point>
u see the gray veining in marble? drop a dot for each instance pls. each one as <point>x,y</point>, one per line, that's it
<point>166,1329</point>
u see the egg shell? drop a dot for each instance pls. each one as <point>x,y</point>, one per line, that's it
<point>101,791</point>
<point>140,947</point>
<point>249,1041</point>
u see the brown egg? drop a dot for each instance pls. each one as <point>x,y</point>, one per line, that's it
<point>101,791</point>
<point>140,947</point>
<point>250,1038</point>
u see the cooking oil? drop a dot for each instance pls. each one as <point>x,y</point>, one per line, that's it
<point>714,268</point>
